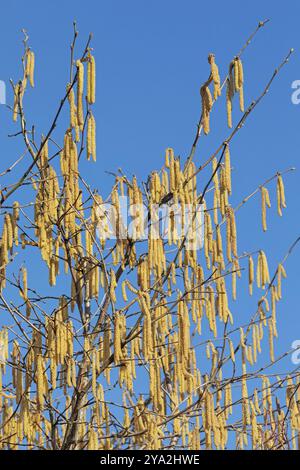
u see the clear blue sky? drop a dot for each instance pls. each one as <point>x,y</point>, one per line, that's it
<point>151,60</point>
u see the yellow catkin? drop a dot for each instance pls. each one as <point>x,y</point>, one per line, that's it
<point>91,80</point>
<point>16,211</point>
<point>229,109</point>
<point>267,196</point>
<point>94,374</point>
<point>241,84</point>
<point>250,274</point>
<point>113,285</point>
<point>27,65</point>
<point>271,338</point>
<point>231,234</point>
<point>232,354</point>
<point>40,381</point>
<point>273,303</point>
<point>24,282</point>
<point>245,402</point>
<point>9,231</point>
<point>265,202</point>
<point>265,270</point>
<point>242,338</point>
<point>124,294</point>
<point>117,338</point>
<point>234,284</point>
<point>229,96</point>
<point>241,93</point>
<point>228,168</point>
<point>17,97</point>
<point>31,72</point>
<point>73,112</point>
<point>280,195</point>
<point>206,107</point>
<point>262,271</point>
<point>80,81</point>
<point>106,340</point>
<point>236,74</point>
<point>280,273</point>
<point>254,343</point>
<point>215,76</point>
<point>263,209</point>
<point>93,136</point>
<point>89,138</point>
<point>169,155</point>
<point>235,83</point>
<point>30,64</point>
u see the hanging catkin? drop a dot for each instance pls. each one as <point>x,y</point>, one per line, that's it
<point>73,111</point>
<point>91,137</point>
<point>280,195</point>
<point>207,103</point>
<point>228,168</point>
<point>235,83</point>
<point>271,340</point>
<point>147,327</point>
<point>229,94</point>
<point>231,234</point>
<point>265,201</point>
<point>262,271</point>
<point>215,76</point>
<point>17,98</point>
<point>117,338</point>
<point>41,380</point>
<point>113,285</point>
<point>241,83</point>
<point>280,273</point>
<point>29,69</point>
<point>24,282</point>
<point>91,79</point>
<point>250,274</point>
<point>80,81</point>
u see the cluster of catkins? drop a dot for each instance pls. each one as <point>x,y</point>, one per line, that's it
<point>234,84</point>
<point>141,352</point>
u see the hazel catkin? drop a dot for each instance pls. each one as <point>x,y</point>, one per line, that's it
<point>80,81</point>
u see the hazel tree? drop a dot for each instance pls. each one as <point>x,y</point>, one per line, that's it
<point>133,343</point>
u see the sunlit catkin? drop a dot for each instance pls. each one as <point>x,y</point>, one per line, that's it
<point>262,271</point>
<point>280,273</point>
<point>280,195</point>
<point>215,76</point>
<point>265,202</point>
<point>117,338</point>
<point>80,81</point>
<point>229,96</point>
<point>17,98</point>
<point>91,80</point>
<point>228,168</point>
<point>207,103</point>
<point>241,84</point>
<point>24,282</point>
<point>91,137</point>
<point>40,379</point>
<point>29,68</point>
<point>250,274</point>
<point>271,340</point>
<point>73,111</point>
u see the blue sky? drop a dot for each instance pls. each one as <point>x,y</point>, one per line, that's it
<point>151,60</point>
